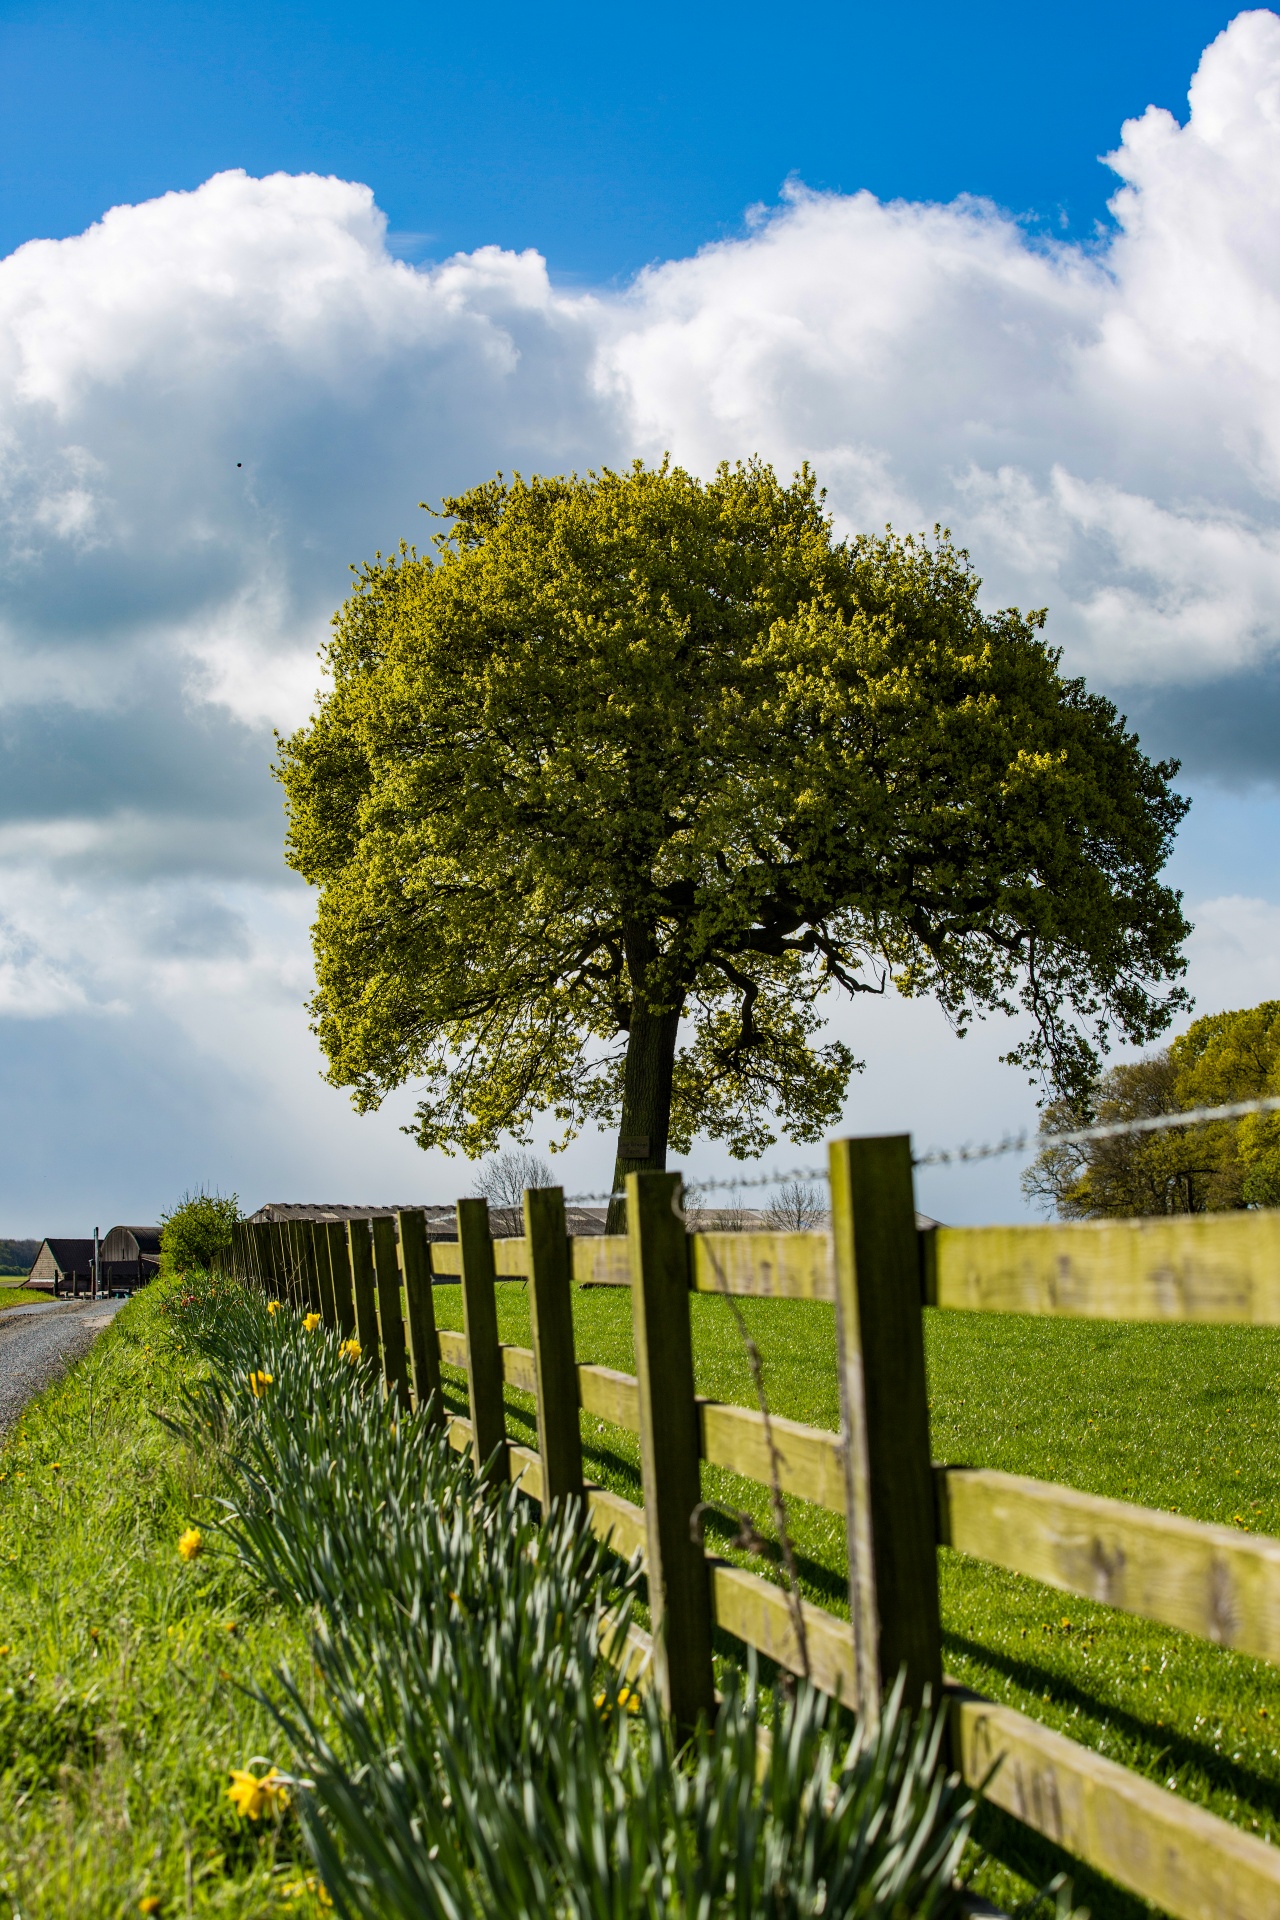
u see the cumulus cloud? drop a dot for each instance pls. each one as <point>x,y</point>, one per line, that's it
<point>212,403</point>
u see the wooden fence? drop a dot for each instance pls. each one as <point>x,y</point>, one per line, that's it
<point>877,1269</point>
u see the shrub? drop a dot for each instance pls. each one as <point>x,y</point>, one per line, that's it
<point>197,1230</point>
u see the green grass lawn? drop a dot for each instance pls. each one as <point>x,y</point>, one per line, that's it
<point>1185,1418</point>
<point>124,1670</point>
<point>14,1294</point>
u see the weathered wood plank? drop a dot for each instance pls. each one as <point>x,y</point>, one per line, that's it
<point>424,1348</point>
<point>1216,1267</point>
<point>551,1316</point>
<point>364,1289</point>
<point>760,1614</point>
<point>453,1347</point>
<point>395,1359</point>
<point>518,1368</point>
<point>810,1462</point>
<point>511,1258</point>
<point>1214,1581</point>
<point>893,1562</point>
<point>600,1260</point>
<point>446,1258</point>
<point>679,1591</point>
<point>1189,1863</point>
<point>306,1244</point>
<point>767,1266</point>
<point>618,1521</point>
<point>324,1268</point>
<point>480,1320</point>
<point>340,1274</point>
<point>611,1396</point>
<point>525,1469</point>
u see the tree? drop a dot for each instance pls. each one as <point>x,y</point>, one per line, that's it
<point>503,1182</point>
<point>797,1207</point>
<point>1207,1168</point>
<point>194,1232</point>
<point>612,788</point>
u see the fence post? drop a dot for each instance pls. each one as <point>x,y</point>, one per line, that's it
<point>360,1248</point>
<point>296,1293</point>
<point>551,1314</point>
<point>261,1252</point>
<point>324,1268</point>
<point>424,1343</point>
<point>675,1564</point>
<point>279,1259</point>
<point>893,1560</point>
<point>340,1273</point>
<point>480,1321</point>
<point>395,1370</point>
<point>312,1268</point>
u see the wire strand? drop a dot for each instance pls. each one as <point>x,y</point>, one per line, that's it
<point>1022,1142</point>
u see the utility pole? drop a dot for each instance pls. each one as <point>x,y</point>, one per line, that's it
<point>95,1263</point>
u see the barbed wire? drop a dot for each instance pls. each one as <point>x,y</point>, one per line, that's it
<point>1024,1141</point>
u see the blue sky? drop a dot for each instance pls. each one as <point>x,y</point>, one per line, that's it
<point>604,137</point>
<point>269,277</point>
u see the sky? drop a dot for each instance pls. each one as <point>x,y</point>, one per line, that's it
<point>273,276</point>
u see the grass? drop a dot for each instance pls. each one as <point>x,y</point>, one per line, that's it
<point>14,1294</point>
<point>1184,1418</point>
<point>125,1672</point>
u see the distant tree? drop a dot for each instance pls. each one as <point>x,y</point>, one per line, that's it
<point>197,1229</point>
<point>607,794</point>
<point>797,1207</point>
<point>502,1182</point>
<point>1223,1058</point>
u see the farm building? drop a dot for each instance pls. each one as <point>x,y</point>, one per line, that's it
<point>63,1266</point>
<point>130,1256</point>
<point>441,1221</point>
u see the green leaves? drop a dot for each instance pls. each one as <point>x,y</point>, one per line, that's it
<point>609,794</point>
<point>1213,1168</point>
<point>472,1749</point>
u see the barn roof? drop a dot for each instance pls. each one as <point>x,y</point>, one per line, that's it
<point>441,1221</point>
<point>72,1256</point>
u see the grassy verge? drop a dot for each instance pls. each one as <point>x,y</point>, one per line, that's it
<point>14,1294</point>
<point>1186,1418</point>
<point>124,1669</point>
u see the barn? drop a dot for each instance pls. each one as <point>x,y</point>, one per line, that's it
<point>63,1266</point>
<point>130,1256</point>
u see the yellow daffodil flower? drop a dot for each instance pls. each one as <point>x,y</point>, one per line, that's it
<point>350,1349</point>
<point>259,1382</point>
<point>190,1543</point>
<point>251,1797</point>
<point>150,1903</point>
<point>275,1306</point>
<point>311,1321</point>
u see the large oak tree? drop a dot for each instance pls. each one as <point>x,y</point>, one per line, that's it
<point>615,785</point>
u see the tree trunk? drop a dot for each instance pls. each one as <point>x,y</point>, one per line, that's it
<point>646,1097</point>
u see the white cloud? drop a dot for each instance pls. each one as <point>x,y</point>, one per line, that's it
<point>211,403</point>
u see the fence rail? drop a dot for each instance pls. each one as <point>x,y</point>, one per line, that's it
<point>1217,1582</point>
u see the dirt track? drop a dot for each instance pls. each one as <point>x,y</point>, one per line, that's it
<point>39,1343</point>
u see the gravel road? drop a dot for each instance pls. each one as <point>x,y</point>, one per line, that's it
<point>39,1343</point>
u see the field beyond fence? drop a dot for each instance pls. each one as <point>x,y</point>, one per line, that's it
<point>373,1281</point>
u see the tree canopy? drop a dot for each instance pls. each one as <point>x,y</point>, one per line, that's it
<point>616,783</point>
<point>1221,1059</point>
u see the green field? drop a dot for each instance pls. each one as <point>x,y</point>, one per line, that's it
<point>123,1671</point>
<point>1186,1418</point>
